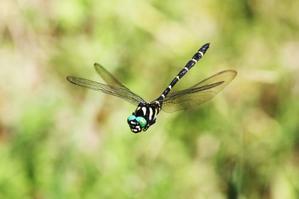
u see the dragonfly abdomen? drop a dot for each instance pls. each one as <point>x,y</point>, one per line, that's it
<point>195,58</point>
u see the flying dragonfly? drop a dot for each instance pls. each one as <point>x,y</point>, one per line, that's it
<point>145,114</point>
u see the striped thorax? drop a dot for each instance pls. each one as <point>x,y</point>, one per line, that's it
<point>144,116</point>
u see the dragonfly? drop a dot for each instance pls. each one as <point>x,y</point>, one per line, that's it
<point>146,113</point>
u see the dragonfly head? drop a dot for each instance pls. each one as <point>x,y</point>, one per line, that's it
<point>137,124</point>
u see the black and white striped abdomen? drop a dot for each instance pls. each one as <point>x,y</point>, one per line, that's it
<point>196,57</point>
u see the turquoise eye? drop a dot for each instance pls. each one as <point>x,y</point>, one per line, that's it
<point>141,121</point>
<point>131,117</point>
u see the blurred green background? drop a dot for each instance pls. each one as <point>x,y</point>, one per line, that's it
<point>61,141</point>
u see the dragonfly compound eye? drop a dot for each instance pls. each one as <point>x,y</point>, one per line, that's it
<point>142,122</point>
<point>134,124</point>
<point>131,118</point>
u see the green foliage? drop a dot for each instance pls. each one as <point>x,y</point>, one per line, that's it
<point>61,141</point>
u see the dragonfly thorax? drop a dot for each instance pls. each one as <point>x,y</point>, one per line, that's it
<point>143,117</point>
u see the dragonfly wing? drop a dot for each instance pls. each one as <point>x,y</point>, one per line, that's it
<point>107,76</point>
<point>112,81</point>
<point>117,91</point>
<point>199,93</point>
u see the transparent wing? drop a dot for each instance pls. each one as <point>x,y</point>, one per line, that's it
<point>112,81</point>
<point>107,76</point>
<point>117,91</point>
<point>198,93</point>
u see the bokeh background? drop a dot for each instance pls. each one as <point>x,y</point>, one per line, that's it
<point>61,141</point>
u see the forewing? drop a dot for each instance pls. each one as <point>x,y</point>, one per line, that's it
<point>107,76</point>
<point>112,81</point>
<point>108,89</point>
<point>198,93</point>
